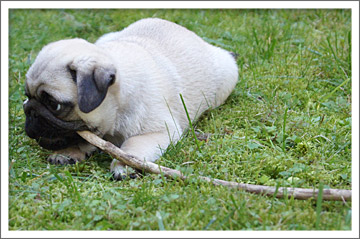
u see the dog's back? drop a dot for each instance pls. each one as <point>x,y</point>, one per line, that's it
<point>207,74</point>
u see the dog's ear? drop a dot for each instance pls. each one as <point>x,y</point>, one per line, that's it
<point>92,86</point>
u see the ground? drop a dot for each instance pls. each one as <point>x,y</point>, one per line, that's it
<point>287,123</point>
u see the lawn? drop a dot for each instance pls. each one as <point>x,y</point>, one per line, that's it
<point>287,123</point>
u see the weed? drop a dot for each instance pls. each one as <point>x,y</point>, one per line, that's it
<point>287,123</point>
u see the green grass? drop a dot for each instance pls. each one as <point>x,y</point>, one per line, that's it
<point>287,123</point>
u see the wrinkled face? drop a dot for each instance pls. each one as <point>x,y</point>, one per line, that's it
<point>44,122</point>
<point>68,80</point>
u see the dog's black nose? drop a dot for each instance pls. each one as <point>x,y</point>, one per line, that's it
<point>29,110</point>
<point>31,119</point>
<point>26,107</point>
<point>33,114</point>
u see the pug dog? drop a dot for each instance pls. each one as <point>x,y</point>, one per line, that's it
<point>125,88</point>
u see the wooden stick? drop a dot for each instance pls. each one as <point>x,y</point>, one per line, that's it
<point>297,193</point>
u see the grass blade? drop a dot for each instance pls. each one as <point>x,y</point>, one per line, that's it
<point>323,99</point>
<point>160,221</point>
<point>210,223</point>
<point>349,52</point>
<point>318,206</point>
<point>284,126</point>
<point>191,126</point>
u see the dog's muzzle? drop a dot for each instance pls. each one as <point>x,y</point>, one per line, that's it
<point>49,131</point>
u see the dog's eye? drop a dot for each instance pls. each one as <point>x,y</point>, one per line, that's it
<point>55,106</point>
<point>58,107</point>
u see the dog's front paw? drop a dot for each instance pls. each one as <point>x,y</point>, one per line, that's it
<point>67,156</point>
<point>121,171</point>
<point>61,159</point>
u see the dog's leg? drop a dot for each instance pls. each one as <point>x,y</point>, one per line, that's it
<point>71,155</point>
<point>147,146</point>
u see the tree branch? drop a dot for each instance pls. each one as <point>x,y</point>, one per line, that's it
<point>297,193</point>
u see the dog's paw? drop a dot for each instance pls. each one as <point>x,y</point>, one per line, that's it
<point>67,156</point>
<point>61,159</point>
<point>121,171</point>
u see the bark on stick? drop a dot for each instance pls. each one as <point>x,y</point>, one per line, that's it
<point>297,193</point>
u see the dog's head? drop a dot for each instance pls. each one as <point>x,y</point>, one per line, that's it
<point>67,83</point>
